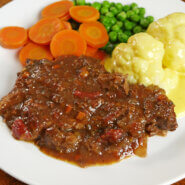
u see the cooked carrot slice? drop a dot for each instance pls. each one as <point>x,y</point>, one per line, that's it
<point>13,37</point>
<point>34,51</point>
<point>90,51</point>
<point>57,9</point>
<point>68,42</point>
<point>94,33</point>
<point>65,18</point>
<point>84,13</point>
<point>66,25</point>
<point>43,31</point>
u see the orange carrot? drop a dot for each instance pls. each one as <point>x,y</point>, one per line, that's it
<point>94,33</point>
<point>43,31</point>
<point>66,25</point>
<point>84,13</point>
<point>90,51</point>
<point>13,37</point>
<point>34,51</point>
<point>68,42</point>
<point>57,9</point>
<point>65,18</point>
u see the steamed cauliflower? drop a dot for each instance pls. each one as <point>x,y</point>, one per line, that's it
<point>170,30</point>
<point>141,58</point>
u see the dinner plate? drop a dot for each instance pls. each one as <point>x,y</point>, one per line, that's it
<point>164,164</point>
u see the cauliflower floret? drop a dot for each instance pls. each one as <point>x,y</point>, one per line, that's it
<point>141,58</point>
<point>170,30</point>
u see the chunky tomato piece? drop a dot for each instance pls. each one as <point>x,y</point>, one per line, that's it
<point>20,130</point>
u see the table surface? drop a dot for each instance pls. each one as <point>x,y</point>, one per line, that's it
<point>6,179</point>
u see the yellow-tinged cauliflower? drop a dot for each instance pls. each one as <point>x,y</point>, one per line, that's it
<point>141,58</point>
<point>170,30</point>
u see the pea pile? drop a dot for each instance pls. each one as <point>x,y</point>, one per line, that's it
<point>121,21</point>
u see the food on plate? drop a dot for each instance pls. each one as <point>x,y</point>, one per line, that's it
<point>34,51</point>
<point>68,42</point>
<point>44,30</point>
<point>141,58</point>
<point>84,14</point>
<point>121,21</point>
<point>13,37</point>
<point>57,17</point>
<point>170,30</point>
<point>94,33</point>
<point>66,25</point>
<point>74,110</point>
<point>58,9</point>
<point>158,58</point>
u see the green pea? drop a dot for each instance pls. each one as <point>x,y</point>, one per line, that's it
<point>113,20</point>
<point>80,2</point>
<point>150,19</point>
<point>115,28</point>
<point>120,24</point>
<point>142,11</point>
<point>122,37</point>
<point>119,6</point>
<point>137,29</point>
<point>128,33</point>
<point>128,25</point>
<point>135,18</point>
<point>108,27</point>
<point>126,8</point>
<point>112,4</point>
<point>119,32</point>
<point>109,14</point>
<point>135,10</point>
<point>104,10</point>
<point>144,22</point>
<point>130,13</point>
<point>106,20</point>
<point>106,4</point>
<point>134,5</point>
<point>109,48</point>
<point>113,36</point>
<point>97,5</point>
<point>122,16</point>
<point>114,10</point>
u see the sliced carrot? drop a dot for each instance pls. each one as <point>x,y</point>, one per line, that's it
<point>43,31</point>
<point>68,42</point>
<point>57,9</point>
<point>90,51</point>
<point>84,13</point>
<point>66,25</point>
<point>65,17</point>
<point>34,51</point>
<point>94,33</point>
<point>13,37</point>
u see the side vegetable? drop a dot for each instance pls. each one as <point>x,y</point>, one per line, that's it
<point>13,37</point>
<point>34,51</point>
<point>58,9</point>
<point>94,33</point>
<point>43,31</point>
<point>84,14</point>
<point>68,42</point>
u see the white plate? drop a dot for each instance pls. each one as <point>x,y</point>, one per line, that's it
<point>164,164</point>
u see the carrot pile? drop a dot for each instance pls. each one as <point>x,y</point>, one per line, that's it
<point>53,36</point>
